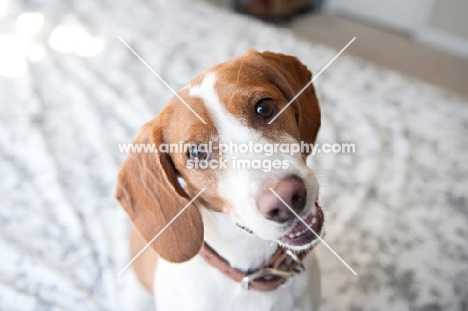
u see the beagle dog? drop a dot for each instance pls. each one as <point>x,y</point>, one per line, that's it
<point>244,243</point>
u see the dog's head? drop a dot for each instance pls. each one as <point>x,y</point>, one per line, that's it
<point>237,99</point>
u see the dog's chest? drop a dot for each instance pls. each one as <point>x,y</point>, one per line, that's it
<point>194,285</point>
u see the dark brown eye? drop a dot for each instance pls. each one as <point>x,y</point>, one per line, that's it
<point>265,108</point>
<point>198,152</point>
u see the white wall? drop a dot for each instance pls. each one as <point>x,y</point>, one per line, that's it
<point>450,16</point>
<point>446,27</point>
<point>442,24</point>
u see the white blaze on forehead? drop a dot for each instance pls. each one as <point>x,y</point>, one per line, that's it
<point>229,127</point>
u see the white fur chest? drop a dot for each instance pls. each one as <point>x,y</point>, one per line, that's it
<point>196,286</point>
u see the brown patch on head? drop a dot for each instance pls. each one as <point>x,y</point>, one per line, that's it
<point>243,81</point>
<point>183,126</point>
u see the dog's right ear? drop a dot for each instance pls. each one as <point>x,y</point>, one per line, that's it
<point>148,190</point>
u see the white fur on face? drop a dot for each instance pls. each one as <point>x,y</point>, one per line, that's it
<point>243,187</point>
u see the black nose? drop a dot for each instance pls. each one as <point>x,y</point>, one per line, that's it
<point>291,190</point>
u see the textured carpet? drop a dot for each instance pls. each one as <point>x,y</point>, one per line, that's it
<point>397,209</point>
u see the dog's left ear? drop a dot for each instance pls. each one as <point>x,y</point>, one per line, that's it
<point>291,76</point>
<point>148,190</point>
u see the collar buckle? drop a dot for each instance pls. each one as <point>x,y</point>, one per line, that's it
<point>291,264</point>
<point>264,273</point>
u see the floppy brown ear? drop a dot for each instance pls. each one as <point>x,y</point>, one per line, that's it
<point>148,190</point>
<point>291,76</point>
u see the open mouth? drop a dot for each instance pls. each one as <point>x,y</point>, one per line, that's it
<point>300,234</point>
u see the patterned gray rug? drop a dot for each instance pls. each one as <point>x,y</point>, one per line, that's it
<point>397,209</point>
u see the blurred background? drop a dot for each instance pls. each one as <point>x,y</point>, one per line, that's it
<point>427,39</point>
<point>71,92</point>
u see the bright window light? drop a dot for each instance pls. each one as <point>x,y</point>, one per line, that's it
<point>72,39</point>
<point>29,23</point>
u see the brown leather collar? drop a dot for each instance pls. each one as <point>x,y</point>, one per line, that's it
<point>276,271</point>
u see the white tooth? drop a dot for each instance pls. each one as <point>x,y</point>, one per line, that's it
<point>299,233</point>
<point>305,230</point>
<point>314,220</point>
